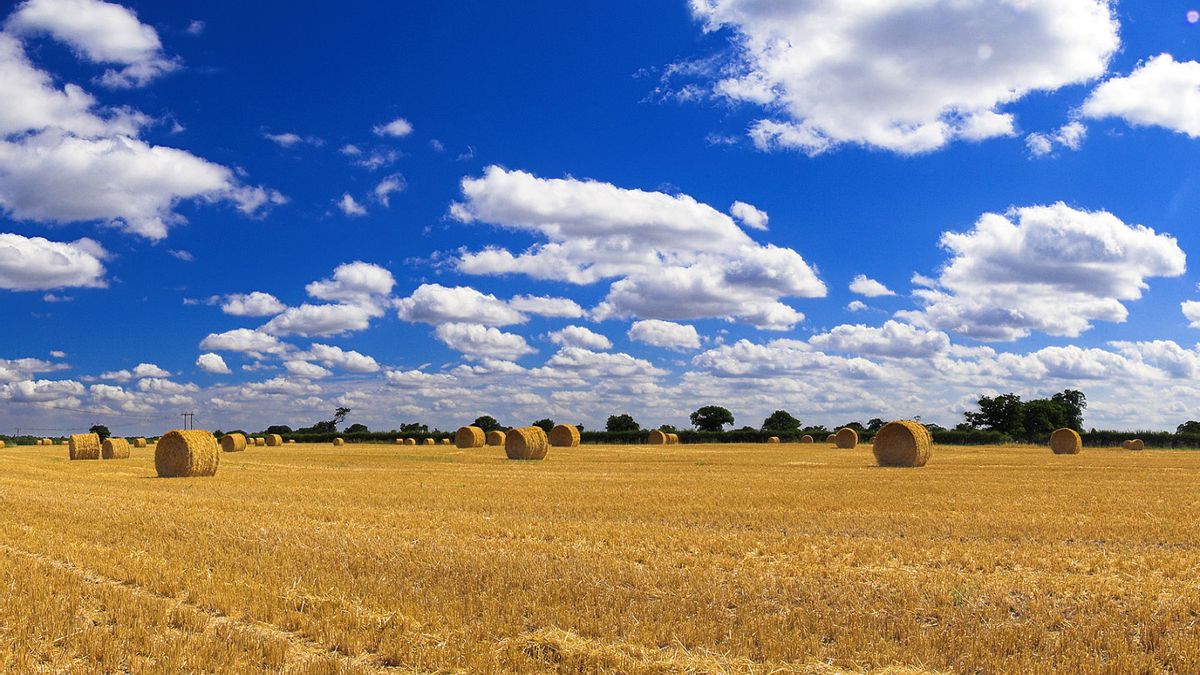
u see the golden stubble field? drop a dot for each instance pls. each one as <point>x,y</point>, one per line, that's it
<point>746,558</point>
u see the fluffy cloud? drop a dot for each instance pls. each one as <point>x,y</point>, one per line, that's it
<point>476,341</point>
<point>289,139</point>
<point>256,303</point>
<point>578,336</point>
<point>37,264</point>
<point>350,207</point>
<point>437,304</point>
<point>319,320</point>
<point>563,308</point>
<point>1160,92</point>
<point>252,342</point>
<point>141,371</point>
<point>1052,269</point>
<point>357,283</point>
<point>13,370</point>
<point>1191,312</point>
<point>306,369</point>
<point>390,184</point>
<point>906,76</point>
<point>212,363</point>
<point>864,285</point>
<point>1069,136</point>
<point>336,357</point>
<point>749,215</point>
<point>672,257</point>
<point>41,391</point>
<point>893,339</point>
<point>665,334</point>
<point>397,128</point>
<point>100,32</point>
<point>158,385</point>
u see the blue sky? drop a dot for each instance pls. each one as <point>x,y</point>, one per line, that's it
<point>433,213</point>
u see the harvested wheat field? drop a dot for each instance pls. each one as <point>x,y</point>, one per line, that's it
<point>683,558</point>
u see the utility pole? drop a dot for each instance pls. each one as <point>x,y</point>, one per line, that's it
<point>188,423</point>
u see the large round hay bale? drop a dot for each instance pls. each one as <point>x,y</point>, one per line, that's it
<point>141,442</point>
<point>1,444</point>
<point>233,442</point>
<point>274,440</point>
<point>114,448</point>
<point>526,443</point>
<point>831,438</point>
<point>846,439</point>
<point>410,441</point>
<point>672,439</point>
<point>773,439</point>
<point>1137,444</point>
<point>469,437</point>
<point>1066,442</point>
<point>399,441</point>
<point>658,437</point>
<point>564,436</point>
<point>445,441</point>
<point>429,441</point>
<point>260,442</point>
<point>339,441</point>
<point>1125,444</point>
<point>184,453</point>
<point>806,439</point>
<point>903,443</point>
<point>84,446</point>
<point>495,438</point>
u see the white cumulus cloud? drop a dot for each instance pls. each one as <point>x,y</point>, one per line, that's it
<point>579,336</point>
<point>665,334</point>
<point>255,303</point>
<point>476,341</point>
<point>866,286</point>
<point>1160,92</point>
<point>37,264</point>
<point>212,363</point>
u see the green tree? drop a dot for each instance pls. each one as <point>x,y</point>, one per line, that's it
<point>668,429</point>
<point>781,422</point>
<point>414,428</point>
<point>711,418</point>
<point>857,426</point>
<point>875,424</point>
<point>999,413</point>
<point>1188,427</point>
<point>547,424</point>
<point>1073,403</point>
<point>622,423</point>
<point>280,429</point>
<point>339,416</point>
<point>487,423</point>
<point>101,431</point>
<point>357,429</point>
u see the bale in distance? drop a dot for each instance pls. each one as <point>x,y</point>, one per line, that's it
<point>903,443</point>
<point>1,444</point>
<point>291,440</point>
<point>566,436</point>
<point>84,446</point>
<point>806,439</point>
<point>114,448</point>
<point>1137,444</point>
<point>831,438</point>
<point>672,439</point>
<point>469,437</point>
<point>526,443</point>
<point>186,453</point>
<point>773,439</point>
<point>1125,444</point>
<point>259,442</point>
<point>1065,442</point>
<point>658,437</point>
<point>430,441</point>
<point>141,442</point>
<point>846,439</point>
<point>233,443</point>
<point>495,438</point>
<point>399,441</point>
<point>445,441</point>
<point>274,440</point>
<point>410,441</point>
<point>339,441</point>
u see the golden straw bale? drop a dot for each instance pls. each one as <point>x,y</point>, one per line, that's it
<point>831,438</point>
<point>114,448</point>
<point>274,440</point>
<point>399,441</point>
<point>339,441</point>
<point>806,439</point>
<point>1066,442</point>
<point>903,443</point>
<point>84,446</point>
<point>139,442</point>
<point>410,441</point>
<point>526,443</point>
<point>233,443</point>
<point>1,445</point>
<point>672,439</point>
<point>1125,445</point>
<point>846,439</point>
<point>470,437</point>
<point>564,436</point>
<point>773,439</point>
<point>259,442</point>
<point>495,438</point>
<point>291,440</point>
<point>445,441</point>
<point>658,437</point>
<point>1137,444</point>
<point>430,441</point>
<point>185,453</point>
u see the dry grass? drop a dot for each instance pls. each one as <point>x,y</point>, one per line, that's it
<point>636,559</point>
